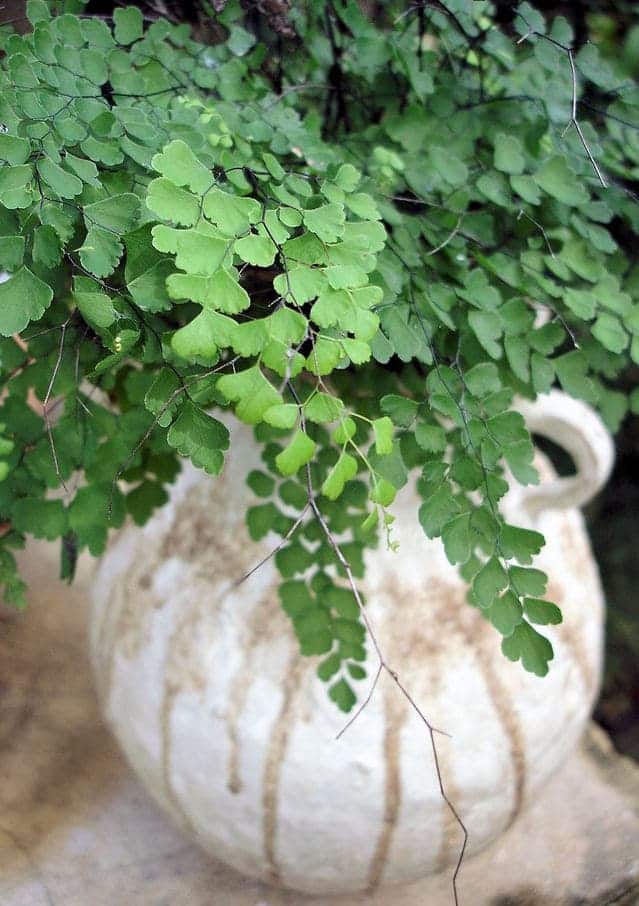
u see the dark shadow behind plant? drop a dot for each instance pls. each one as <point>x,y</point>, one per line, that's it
<point>364,237</point>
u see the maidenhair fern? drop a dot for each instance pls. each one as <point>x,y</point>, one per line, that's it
<point>364,239</point>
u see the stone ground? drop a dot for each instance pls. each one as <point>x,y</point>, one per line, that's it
<point>77,829</point>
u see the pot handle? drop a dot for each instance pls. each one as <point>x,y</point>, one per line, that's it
<point>578,429</point>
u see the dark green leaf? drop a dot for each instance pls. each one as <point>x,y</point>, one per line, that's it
<point>23,298</point>
<point>200,437</point>
<point>527,645</point>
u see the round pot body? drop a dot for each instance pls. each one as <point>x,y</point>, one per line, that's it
<point>233,734</point>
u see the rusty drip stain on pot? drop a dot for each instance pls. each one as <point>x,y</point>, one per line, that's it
<point>168,701</point>
<point>476,633</point>
<point>451,833</point>
<point>427,649</point>
<point>399,646</point>
<point>129,602</point>
<point>172,688</point>
<point>507,716</point>
<point>396,712</point>
<point>238,695</point>
<point>506,713</point>
<point>451,838</point>
<point>273,766</point>
<point>265,623</point>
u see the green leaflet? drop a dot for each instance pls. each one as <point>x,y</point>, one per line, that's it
<point>257,250</point>
<point>487,327</point>
<point>522,544</point>
<point>326,222</point>
<point>505,613</point>
<point>231,213</point>
<point>457,539</point>
<point>88,515</point>
<point>163,397</point>
<point>282,415</point>
<point>265,518</point>
<point>299,451</point>
<point>200,437</point>
<point>16,188</point>
<point>23,298</point>
<point>383,430</point>
<point>252,392</point>
<point>401,410</point>
<point>199,341</point>
<point>200,253</point>
<point>322,407</point>
<point>181,167</point>
<point>610,332</point>
<point>117,214</point>
<point>343,471</point>
<point>148,289</point>
<point>13,149</point>
<point>436,511</point>
<point>100,252</point>
<point>221,291</point>
<point>63,183</point>
<point>40,518</point>
<point>146,271</point>
<point>542,612</point>
<point>509,154</point>
<point>555,178</point>
<point>527,645</point>
<point>489,582</point>
<point>172,203</point>
<point>343,696</point>
<point>96,307</point>
<point>12,252</point>
<point>144,499</point>
<point>128,24</point>
<point>46,246</point>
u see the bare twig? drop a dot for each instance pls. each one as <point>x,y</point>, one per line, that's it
<point>573,121</point>
<point>277,547</point>
<point>364,704</point>
<point>292,89</point>
<point>45,404</point>
<point>525,214</point>
<point>449,238</point>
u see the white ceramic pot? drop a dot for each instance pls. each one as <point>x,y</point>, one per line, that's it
<point>233,734</point>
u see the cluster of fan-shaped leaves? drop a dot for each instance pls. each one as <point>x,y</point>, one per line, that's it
<point>364,243</point>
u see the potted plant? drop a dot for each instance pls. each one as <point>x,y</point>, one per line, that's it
<point>338,249</point>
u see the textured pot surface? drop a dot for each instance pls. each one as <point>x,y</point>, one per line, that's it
<point>234,735</point>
